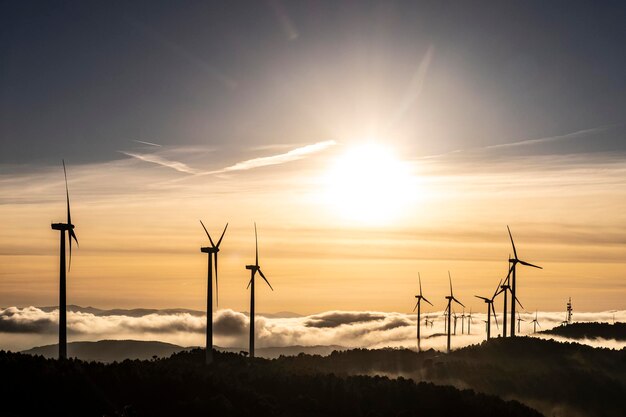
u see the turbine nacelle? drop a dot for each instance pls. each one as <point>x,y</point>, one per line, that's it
<point>62,226</point>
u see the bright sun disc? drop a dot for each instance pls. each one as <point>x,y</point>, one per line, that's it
<point>368,184</point>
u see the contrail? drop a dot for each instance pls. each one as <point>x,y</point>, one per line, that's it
<point>155,159</point>
<point>147,143</point>
<point>550,138</point>
<point>292,155</point>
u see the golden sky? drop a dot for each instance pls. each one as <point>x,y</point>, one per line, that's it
<point>345,224</point>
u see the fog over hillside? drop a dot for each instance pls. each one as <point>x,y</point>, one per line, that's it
<point>33,326</point>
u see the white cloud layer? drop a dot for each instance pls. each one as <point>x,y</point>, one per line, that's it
<point>22,328</point>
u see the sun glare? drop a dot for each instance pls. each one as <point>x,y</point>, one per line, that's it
<point>369,184</point>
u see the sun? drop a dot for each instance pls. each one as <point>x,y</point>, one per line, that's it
<point>369,184</point>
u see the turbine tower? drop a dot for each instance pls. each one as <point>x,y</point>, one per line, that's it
<point>490,308</point>
<point>514,261</point>
<point>455,320</point>
<point>418,306</point>
<point>535,323</point>
<point>519,321</point>
<point>211,251</point>
<point>469,321</point>
<point>253,270</point>
<point>450,298</point>
<point>69,228</point>
<point>463,322</point>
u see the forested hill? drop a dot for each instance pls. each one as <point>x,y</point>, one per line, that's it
<point>234,386</point>
<point>616,331</point>
<point>558,379</point>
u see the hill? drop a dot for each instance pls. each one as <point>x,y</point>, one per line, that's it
<point>110,350</point>
<point>558,379</point>
<point>233,386</point>
<point>616,331</point>
<point>118,350</point>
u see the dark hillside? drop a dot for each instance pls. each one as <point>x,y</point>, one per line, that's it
<point>234,386</point>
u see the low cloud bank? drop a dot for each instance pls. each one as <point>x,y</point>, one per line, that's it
<point>23,327</point>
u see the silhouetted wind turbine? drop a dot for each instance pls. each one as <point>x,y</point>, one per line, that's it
<point>535,323</point>
<point>519,321</point>
<point>469,321</point>
<point>503,289</point>
<point>63,227</point>
<point>450,298</point>
<point>514,261</point>
<point>253,270</point>
<point>418,306</point>
<point>490,308</point>
<point>211,251</point>
<point>463,322</point>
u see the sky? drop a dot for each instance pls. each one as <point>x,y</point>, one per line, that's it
<point>369,141</point>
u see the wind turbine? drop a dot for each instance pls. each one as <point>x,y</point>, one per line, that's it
<point>69,228</point>
<point>469,321</point>
<point>211,251</point>
<point>463,322</point>
<point>450,298</point>
<point>490,308</point>
<point>455,319</point>
<point>418,306</point>
<point>535,323</point>
<point>253,270</point>
<point>519,321</point>
<point>514,261</point>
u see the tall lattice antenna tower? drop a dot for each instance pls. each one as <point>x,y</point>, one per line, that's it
<point>569,311</point>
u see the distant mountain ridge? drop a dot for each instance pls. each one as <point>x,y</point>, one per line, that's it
<point>140,312</point>
<point>118,350</point>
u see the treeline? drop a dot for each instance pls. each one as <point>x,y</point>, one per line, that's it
<point>233,386</point>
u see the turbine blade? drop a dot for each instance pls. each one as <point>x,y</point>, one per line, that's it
<point>416,304</point>
<point>482,298</point>
<point>424,298</point>
<point>73,236</point>
<point>458,302</point>
<point>221,237</point>
<point>420,279</point>
<point>263,276</point>
<point>450,278</point>
<point>207,233</point>
<point>69,264</point>
<point>495,316</point>
<point>67,194</point>
<point>538,324</point>
<point>256,245</point>
<point>497,288</point>
<point>520,304</point>
<point>512,243</point>
<point>217,299</point>
<point>250,283</point>
<point>529,264</point>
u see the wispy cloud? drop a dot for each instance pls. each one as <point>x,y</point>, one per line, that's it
<point>292,155</point>
<point>156,159</point>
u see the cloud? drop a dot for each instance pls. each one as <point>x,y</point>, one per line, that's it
<point>351,329</point>
<point>338,318</point>
<point>156,159</point>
